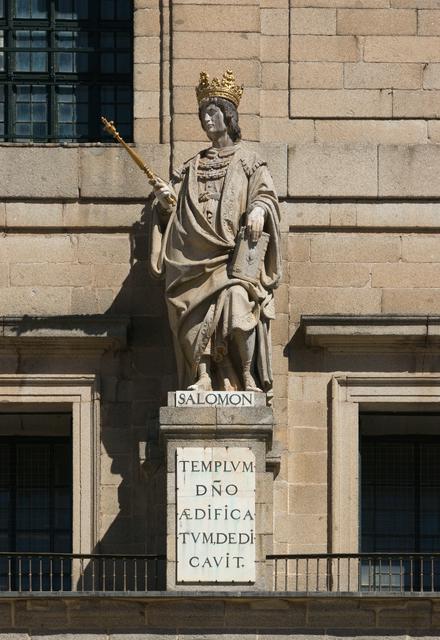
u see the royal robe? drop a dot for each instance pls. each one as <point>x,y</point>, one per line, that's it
<point>205,304</point>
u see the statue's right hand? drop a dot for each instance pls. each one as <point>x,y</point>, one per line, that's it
<point>164,193</point>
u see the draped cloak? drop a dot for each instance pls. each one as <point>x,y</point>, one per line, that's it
<point>204,302</point>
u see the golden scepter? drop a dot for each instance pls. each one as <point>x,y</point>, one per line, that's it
<point>109,126</point>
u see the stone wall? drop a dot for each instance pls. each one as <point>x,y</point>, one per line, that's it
<point>213,617</point>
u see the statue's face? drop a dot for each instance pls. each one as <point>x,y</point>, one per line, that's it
<point>213,121</point>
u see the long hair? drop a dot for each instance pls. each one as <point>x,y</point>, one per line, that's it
<point>230,115</point>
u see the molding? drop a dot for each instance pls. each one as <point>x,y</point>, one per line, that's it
<point>192,423</point>
<point>371,332</point>
<point>61,333</point>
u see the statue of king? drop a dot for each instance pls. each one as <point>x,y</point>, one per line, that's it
<point>222,196</point>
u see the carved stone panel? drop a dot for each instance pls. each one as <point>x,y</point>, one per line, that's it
<point>215,528</point>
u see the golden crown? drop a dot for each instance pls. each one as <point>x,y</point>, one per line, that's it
<point>224,88</point>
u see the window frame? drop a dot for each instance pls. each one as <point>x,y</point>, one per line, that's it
<point>79,395</point>
<point>352,394</point>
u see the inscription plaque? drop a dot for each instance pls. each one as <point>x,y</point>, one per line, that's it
<point>215,528</point>
<point>216,398</point>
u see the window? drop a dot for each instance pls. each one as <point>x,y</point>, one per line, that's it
<point>400,499</point>
<point>35,499</point>
<point>63,64</point>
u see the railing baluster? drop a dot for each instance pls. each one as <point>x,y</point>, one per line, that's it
<point>135,575</point>
<point>9,573</point>
<point>124,571</point>
<point>348,575</point>
<point>380,573</point>
<point>307,575</point>
<point>317,574</point>
<point>390,575</point>
<point>432,574</point>
<point>411,575</point>
<point>146,576</point>
<point>422,562</point>
<point>369,574</point>
<point>338,564</point>
<point>401,574</point>
<point>296,575</point>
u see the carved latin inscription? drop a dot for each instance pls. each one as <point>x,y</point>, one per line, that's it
<point>215,526</point>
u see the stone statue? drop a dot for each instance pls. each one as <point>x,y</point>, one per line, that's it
<point>220,322</point>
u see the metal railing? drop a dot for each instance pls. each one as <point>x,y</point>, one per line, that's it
<point>67,572</point>
<point>360,572</point>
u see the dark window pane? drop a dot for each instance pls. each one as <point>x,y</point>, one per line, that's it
<point>39,62</point>
<point>23,131</point>
<point>22,9</point>
<point>71,9</point>
<point>107,9</point>
<point>39,9</point>
<point>65,113</point>
<point>23,112</point>
<point>33,9</point>
<point>107,62</point>
<point>22,61</point>
<point>123,63</point>
<point>123,10</point>
<point>64,10</point>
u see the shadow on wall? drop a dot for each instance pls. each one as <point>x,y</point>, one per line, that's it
<point>134,385</point>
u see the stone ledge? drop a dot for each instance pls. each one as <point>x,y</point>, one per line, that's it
<point>215,418</point>
<point>371,331</point>
<point>246,595</point>
<point>191,431</point>
<point>62,332</point>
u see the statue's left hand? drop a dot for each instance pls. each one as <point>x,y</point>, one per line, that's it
<point>255,223</point>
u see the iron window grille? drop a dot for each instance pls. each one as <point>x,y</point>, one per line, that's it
<point>400,504</point>
<point>35,510</point>
<point>63,64</point>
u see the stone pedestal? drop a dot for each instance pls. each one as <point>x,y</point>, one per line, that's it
<point>219,492</point>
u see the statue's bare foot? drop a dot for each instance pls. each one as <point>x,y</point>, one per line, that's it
<point>227,385</point>
<point>249,382</point>
<point>204,383</point>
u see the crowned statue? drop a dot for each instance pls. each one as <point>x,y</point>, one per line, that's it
<point>215,237</point>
